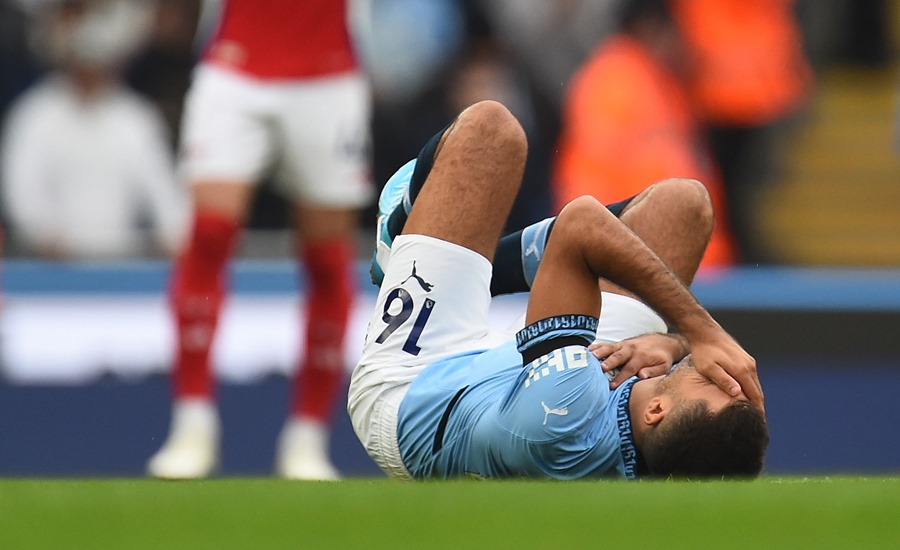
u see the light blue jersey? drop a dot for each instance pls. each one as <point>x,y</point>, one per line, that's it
<point>484,414</point>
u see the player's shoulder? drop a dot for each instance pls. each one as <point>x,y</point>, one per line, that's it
<point>568,379</point>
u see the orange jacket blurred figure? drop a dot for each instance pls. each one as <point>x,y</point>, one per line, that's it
<point>749,67</point>
<point>627,122</point>
<point>749,76</point>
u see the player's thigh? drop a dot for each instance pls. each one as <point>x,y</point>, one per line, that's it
<point>674,218</point>
<point>323,130</point>
<point>433,303</point>
<point>476,175</point>
<point>225,136</point>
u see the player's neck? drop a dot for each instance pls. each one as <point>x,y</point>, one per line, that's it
<point>641,393</point>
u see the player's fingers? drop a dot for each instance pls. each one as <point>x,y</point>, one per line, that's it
<point>724,380</point>
<point>635,366</point>
<point>744,372</point>
<point>622,375</point>
<point>602,351</point>
<point>616,359</point>
<point>651,372</point>
<point>752,389</point>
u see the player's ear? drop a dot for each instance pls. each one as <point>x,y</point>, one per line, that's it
<point>656,410</point>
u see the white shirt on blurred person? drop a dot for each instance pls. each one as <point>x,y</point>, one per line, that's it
<point>85,165</point>
<point>79,174</point>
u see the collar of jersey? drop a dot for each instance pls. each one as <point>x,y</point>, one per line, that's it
<point>626,435</point>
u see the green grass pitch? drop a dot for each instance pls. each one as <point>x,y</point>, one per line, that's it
<point>797,513</point>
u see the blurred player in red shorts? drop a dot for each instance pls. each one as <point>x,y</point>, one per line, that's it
<point>278,89</point>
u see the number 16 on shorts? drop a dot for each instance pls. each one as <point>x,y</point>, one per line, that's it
<point>395,321</point>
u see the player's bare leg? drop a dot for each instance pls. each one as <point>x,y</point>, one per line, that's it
<point>674,217</point>
<point>477,172</point>
<point>327,254</point>
<point>434,294</point>
<point>197,290</point>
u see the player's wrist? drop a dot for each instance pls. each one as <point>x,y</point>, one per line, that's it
<point>680,347</point>
<point>699,327</point>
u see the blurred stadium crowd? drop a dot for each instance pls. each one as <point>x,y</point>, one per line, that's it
<point>610,98</point>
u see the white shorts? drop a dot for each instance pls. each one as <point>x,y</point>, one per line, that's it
<point>313,133</point>
<point>433,303</point>
<point>623,317</point>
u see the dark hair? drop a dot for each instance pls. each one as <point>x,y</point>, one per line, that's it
<point>695,443</point>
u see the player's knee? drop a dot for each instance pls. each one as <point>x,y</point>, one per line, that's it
<point>493,121</point>
<point>689,195</point>
<point>580,216</point>
<point>224,198</point>
<point>689,191</point>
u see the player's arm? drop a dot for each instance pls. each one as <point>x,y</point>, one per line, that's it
<point>589,242</point>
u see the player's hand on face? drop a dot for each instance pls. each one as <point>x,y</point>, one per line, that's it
<point>644,356</point>
<point>725,362</point>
